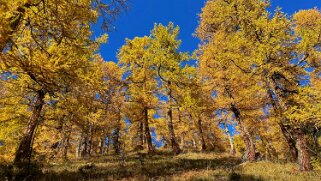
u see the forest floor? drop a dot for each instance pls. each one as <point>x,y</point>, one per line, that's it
<point>187,166</point>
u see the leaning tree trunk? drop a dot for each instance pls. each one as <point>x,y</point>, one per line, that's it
<point>279,107</point>
<point>250,147</point>
<point>24,150</point>
<point>290,142</point>
<point>232,149</point>
<point>175,146</point>
<point>200,129</point>
<point>148,136</point>
<point>303,152</point>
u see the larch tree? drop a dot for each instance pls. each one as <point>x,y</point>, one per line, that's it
<point>141,81</point>
<point>264,49</point>
<point>167,59</point>
<point>46,46</point>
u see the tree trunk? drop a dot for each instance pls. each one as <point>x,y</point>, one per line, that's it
<point>140,141</point>
<point>232,149</point>
<point>200,129</point>
<point>279,107</point>
<point>24,150</point>
<point>148,136</point>
<point>117,144</point>
<point>303,152</point>
<point>78,151</point>
<point>290,142</point>
<point>182,141</point>
<point>175,146</point>
<point>84,146</point>
<point>102,145</point>
<point>66,143</point>
<point>250,147</point>
<point>116,141</point>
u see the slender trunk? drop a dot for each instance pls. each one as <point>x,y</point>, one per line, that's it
<point>250,147</point>
<point>84,148</point>
<point>200,129</point>
<point>80,141</point>
<point>116,141</point>
<point>140,132</point>
<point>24,150</point>
<point>175,146</point>
<point>303,152</point>
<point>290,142</point>
<point>102,145</point>
<point>108,143</point>
<point>148,136</point>
<point>227,131</point>
<point>279,107</point>
<point>66,144</point>
<point>117,144</point>
<point>193,143</point>
<point>182,141</point>
<point>91,140</point>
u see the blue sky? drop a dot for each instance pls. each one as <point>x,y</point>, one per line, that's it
<point>139,19</point>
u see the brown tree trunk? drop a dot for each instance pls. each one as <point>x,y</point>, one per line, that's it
<point>102,145</point>
<point>148,136</point>
<point>84,147</point>
<point>200,129</point>
<point>66,144</point>
<point>279,107</point>
<point>116,141</point>
<point>290,142</point>
<point>175,146</point>
<point>250,147</point>
<point>303,152</point>
<point>79,146</point>
<point>140,141</point>
<point>24,150</point>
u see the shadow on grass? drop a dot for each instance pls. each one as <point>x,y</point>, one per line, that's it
<point>145,168</point>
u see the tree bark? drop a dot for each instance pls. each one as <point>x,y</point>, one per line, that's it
<point>175,146</point>
<point>102,144</point>
<point>24,150</point>
<point>279,107</point>
<point>148,136</point>
<point>232,149</point>
<point>78,149</point>
<point>116,141</point>
<point>290,142</point>
<point>303,152</point>
<point>66,143</point>
<point>200,129</point>
<point>250,147</point>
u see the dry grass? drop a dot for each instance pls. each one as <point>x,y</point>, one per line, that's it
<point>189,166</point>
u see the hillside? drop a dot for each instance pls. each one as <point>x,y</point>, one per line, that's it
<point>187,166</point>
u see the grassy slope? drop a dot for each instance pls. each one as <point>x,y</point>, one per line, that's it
<point>190,166</point>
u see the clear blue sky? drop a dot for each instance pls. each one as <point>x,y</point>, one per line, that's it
<point>142,14</point>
